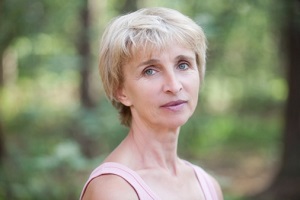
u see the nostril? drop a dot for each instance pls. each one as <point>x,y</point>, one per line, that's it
<point>173,86</point>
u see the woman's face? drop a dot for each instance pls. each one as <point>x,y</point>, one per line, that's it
<point>161,87</point>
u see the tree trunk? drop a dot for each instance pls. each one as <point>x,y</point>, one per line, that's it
<point>127,6</point>
<point>286,185</point>
<point>84,53</point>
<point>2,144</point>
<point>289,174</point>
<point>3,153</point>
<point>1,71</point>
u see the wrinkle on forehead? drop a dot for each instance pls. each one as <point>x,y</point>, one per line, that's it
<point>149,50</point>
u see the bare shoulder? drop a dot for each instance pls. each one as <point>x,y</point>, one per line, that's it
<point>217,187</point>
<point>109,187</point>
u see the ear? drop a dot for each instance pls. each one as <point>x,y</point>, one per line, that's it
<point>123,97</point>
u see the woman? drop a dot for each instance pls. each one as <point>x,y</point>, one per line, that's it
<point>152,63</point>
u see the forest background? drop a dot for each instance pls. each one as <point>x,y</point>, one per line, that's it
<point>56,124</point>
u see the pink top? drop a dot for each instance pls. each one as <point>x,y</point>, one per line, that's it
<point>142,189</point>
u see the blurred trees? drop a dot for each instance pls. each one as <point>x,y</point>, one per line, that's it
<point>126,6</point>
<point>14,23</point>
<point>32,49</point>
<point>84,52</point>
<point>286,183</point>
<point>58,125</point>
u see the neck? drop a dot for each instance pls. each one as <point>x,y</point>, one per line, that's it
<point>154,148</point>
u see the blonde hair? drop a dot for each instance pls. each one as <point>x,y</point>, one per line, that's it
<point>147,29</point>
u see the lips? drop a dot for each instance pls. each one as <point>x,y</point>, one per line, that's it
<point>174,104</point>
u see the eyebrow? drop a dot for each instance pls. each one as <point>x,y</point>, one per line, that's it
<point>148,62</point>
<point>177,58</point>
<point>185,57</point>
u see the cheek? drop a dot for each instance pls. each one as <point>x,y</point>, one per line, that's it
<point>194,92</point>
<point>194,84</point>
<point>141,93</point>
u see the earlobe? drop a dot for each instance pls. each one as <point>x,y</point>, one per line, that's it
<point>122,97</point>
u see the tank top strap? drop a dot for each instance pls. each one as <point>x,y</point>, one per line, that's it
<point>205,182</point>
<point>141,188</point>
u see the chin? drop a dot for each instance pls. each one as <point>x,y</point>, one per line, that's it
<point>175,123</point>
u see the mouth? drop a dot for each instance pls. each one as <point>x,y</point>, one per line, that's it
<point>174,105</point>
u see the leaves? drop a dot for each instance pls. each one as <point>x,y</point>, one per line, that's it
<point>54,143</point>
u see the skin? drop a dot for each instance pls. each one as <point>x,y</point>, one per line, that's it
<point>161,88</point>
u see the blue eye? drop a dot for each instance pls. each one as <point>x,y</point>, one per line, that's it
<point>149,72</point>
<point>183,66</point>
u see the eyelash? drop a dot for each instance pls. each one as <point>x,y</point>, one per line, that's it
<point>184,63</point>
<point>146,71</point>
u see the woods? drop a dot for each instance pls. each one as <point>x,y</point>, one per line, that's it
<point>56,124</point>
<point>286,183</point>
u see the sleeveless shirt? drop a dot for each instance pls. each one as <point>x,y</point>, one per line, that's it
<point>141,188</point>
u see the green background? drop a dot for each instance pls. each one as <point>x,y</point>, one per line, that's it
<point>53,142</point>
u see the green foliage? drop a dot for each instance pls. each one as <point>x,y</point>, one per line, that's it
<point>53,143</point>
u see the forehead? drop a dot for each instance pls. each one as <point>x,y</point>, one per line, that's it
<point>148,52</point>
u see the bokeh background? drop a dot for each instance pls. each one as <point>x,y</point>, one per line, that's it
<point>56,124</point>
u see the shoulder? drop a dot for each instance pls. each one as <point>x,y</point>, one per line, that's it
<point>109,187</point>
<point>217,187</point>
<point>212,181</point>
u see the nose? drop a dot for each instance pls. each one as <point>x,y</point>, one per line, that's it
<point>172,83</point>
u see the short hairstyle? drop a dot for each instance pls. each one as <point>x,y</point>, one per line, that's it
<point>145,29</point>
